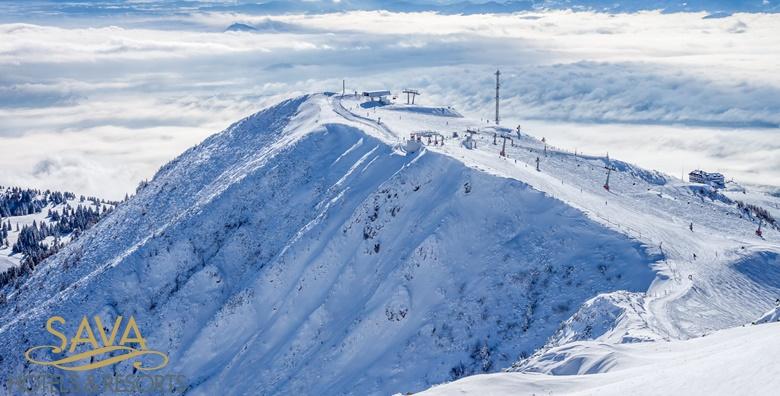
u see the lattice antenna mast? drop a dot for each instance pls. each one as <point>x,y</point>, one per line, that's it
<point>498,74</point>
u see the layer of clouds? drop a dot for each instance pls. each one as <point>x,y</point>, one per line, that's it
<point>96,109</point>
<point>745,155</point>
<point>636,93</point>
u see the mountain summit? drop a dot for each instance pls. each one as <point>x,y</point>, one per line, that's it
<point>308,249</point>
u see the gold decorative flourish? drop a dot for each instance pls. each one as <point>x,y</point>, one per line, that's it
<point>131,353</point>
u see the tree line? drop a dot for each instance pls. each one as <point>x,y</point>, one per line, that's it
<point>41,239</point>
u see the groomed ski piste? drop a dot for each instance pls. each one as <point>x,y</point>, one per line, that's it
<point>731,260</point>
<point>311,249</point>
<point>717,274</point>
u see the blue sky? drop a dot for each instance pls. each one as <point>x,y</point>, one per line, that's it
<point>95,99</point>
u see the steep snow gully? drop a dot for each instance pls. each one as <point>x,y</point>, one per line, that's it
<point>303,251</point>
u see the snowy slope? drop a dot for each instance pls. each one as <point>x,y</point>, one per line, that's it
<point>733,278</point>
<point>765,196</point>
<point>303,250</point>
<point>299,251</point>
<point>7,259</point>
<point>737,361</point>
<point>690,297</point>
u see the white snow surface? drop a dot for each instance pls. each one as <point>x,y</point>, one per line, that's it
<point>767,197</point>
<point>773,315</point>
<point>738,361</point>
<point>303,251</point>
<point>7,259</point>
<point>437,111</point>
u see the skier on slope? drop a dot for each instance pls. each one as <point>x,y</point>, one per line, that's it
<point>691,226</point>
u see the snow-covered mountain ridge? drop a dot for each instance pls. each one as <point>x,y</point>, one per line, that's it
<point>303,250</point>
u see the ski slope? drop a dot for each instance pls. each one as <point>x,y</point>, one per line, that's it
<point>305,250</point>
<point>739,361</point>
<point>733,278</point>
<point>689,297</point>
<point>271,259</point>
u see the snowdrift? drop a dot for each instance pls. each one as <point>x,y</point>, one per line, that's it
<point>734,361</point>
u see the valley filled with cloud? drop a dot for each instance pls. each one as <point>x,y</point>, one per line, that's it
<point>96,104</point>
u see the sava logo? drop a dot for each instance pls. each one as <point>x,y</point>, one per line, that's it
<point>108,351</point>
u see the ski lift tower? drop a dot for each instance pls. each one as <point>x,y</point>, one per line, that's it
<point>437,137</point>
<point>410,93</point>
<point>470,143</point>
<point>609,169</point>
<point>503,146</point>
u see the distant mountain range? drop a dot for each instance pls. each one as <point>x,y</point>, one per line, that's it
<point>275,7</point>
<point>477,7</point>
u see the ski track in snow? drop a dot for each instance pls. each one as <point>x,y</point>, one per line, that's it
<point>691,297</point>
<point>634,209</point>
<point>303,250</point>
